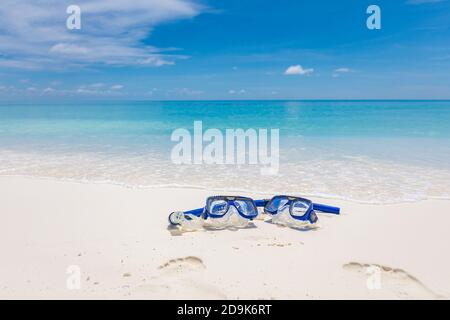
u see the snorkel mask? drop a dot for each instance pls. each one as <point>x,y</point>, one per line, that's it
<point>219,212</point>
<point>296,212</point>
<point>234,211</point>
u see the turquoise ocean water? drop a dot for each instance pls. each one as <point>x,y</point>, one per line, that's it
<point>368,151</point>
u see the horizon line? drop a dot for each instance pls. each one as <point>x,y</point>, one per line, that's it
<point>207,100</point>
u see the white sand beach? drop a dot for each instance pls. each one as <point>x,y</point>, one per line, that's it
<point>119,239</point>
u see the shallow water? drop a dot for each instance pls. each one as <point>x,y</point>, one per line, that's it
<point>369,151</point>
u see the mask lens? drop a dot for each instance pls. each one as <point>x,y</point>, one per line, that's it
<point>299,208</point>
<point>246,207</point>
<point>218,207</point>
<point>276,203</point>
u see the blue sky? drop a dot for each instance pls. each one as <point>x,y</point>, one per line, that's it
<point>228,49</point>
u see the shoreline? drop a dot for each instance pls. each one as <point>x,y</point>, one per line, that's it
<point>119,239</point>
<point>255,193</point>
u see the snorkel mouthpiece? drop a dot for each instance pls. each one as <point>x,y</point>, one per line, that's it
<point>176,217</point>
<point>185,220</point>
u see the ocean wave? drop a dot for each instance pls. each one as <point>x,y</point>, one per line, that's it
<point>357,179</point>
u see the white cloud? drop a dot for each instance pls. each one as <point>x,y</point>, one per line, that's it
<point>69,49</point>
<point>156,60</point>
<point>15,63</point>
<point>152,91</point>
<point>95,89</point>
<point>55,83</point>
<point>96,85</point>
<point>343,70</point>
<point>48,90</point>
<point>298,70</point>
<point>184,92</point>
<point>33,34</point>
<point>241,91</point>
<point>337,72</point>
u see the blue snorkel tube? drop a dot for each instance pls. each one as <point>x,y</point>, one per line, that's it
<point>325,208</point>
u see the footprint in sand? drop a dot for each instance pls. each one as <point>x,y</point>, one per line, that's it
<point>281,245</point>
<point>190,263</point>
<point>393,280</point>
<point>180,278</point>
